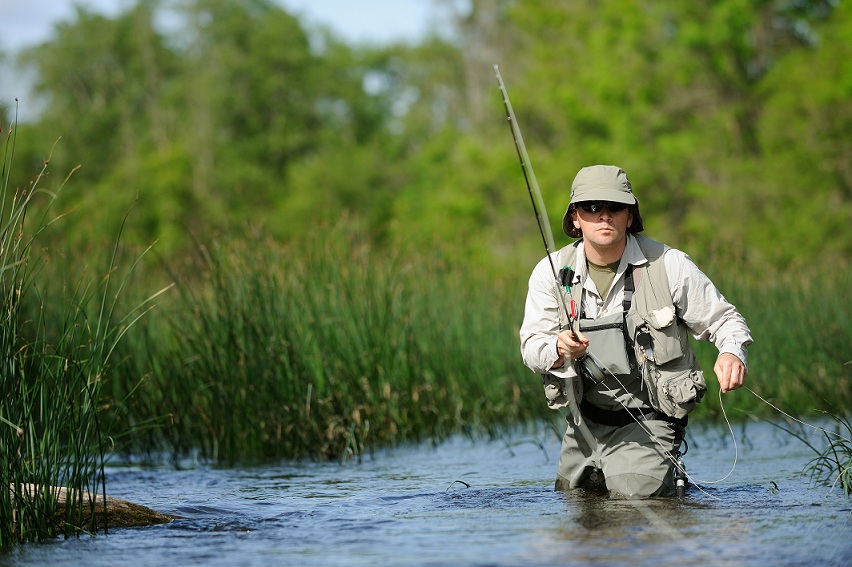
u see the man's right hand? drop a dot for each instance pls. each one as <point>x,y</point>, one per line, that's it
<point>570,346</point>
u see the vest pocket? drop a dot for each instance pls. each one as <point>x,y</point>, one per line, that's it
<point>677,393</point>
<point>607,342</point>
<point>669,342</point>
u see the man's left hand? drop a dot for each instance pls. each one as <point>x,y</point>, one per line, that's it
<point>730,371</point>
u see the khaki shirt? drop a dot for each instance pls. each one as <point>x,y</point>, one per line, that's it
<point>707,314</point>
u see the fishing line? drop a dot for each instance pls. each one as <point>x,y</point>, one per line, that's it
<point>787,415</point>
<point>733,438</point>
<point>678,537</point>
<point>696,481</point>
<point>776,408</point>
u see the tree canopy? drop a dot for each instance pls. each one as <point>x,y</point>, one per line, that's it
<point>731,117</point>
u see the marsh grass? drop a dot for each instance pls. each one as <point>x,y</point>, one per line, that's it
<point>54,364</point>
<point>833,463</point>
<point>801,360</point>
<point>331,345</point>
<point>328,347</point>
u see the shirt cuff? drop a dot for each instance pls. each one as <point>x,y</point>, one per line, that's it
<point>740,351</point>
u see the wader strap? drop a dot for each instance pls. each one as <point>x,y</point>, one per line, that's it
<point>624,417</point>
<point>629,288</point>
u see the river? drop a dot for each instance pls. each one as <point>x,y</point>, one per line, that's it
<point>477,502</point>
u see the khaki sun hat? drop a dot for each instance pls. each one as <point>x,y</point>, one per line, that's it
<point>599,183</point>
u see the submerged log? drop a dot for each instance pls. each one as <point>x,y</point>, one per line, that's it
<point>118,514</point>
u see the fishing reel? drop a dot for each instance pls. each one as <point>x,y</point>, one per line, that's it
<point>588,367</point>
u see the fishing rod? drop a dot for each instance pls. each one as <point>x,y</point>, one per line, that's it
<point>535,197</point>
<point>549,246</point>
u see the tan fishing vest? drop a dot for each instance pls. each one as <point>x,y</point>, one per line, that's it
<point>647,347</point>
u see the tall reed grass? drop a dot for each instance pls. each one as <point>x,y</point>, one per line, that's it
<point>54,365</point>
<point>329,346</point>
<point>801,359</point>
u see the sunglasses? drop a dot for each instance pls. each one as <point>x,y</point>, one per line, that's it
<point>598,206</point>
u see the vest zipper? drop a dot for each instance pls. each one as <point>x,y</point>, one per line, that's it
<point>602,327</point>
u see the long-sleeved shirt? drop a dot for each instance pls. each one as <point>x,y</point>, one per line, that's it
<point>707,314</point>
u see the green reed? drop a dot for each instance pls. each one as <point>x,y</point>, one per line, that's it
<point>801,360</point>
<point>833,464</point>
<point>330,346</point>
<point>55,357</point>
<point>333,345</point>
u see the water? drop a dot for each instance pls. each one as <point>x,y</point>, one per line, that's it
<point>469,503</point>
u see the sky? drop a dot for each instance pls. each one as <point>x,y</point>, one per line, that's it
<point>28,22</point>
<point>25,22</point>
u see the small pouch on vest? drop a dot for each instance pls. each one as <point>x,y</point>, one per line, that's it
<point>676,393</point>
<point>554,390</point>
<point>606,342</point>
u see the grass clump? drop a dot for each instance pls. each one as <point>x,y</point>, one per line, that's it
<point>833,465</point>
<point>326,347</point>
<point>53,367</point>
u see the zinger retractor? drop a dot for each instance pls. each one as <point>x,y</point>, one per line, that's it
<point>680,477</point>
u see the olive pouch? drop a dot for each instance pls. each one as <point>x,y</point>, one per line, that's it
<point>676,393</point>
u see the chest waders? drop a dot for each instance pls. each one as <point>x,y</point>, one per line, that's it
<point>640,343</point>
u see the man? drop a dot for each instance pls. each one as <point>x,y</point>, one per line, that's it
<point>613,333</point>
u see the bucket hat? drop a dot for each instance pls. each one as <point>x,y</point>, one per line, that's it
<point>599,183</point>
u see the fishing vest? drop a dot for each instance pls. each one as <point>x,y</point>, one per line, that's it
<point>644,349</point>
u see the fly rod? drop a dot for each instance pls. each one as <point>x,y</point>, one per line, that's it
<point>535,197</point>
<point>549,246</point>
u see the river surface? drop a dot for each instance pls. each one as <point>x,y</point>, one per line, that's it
<point>474,503</point>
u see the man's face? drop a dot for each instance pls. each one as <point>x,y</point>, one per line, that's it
<point>602,228</point>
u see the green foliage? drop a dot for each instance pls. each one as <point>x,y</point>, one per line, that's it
<point>731,118</point>
<point>681,95</point>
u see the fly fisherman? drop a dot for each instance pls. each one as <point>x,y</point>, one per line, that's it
<point>624,355</point>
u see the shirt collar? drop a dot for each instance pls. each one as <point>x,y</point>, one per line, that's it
<point>632,255</point>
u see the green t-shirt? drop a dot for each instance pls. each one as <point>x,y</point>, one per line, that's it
<point>603,276</point>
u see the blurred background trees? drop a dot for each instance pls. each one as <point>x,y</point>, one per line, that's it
<point>216,117</point>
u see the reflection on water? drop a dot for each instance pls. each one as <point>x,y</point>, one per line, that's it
<point>474,503</point>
